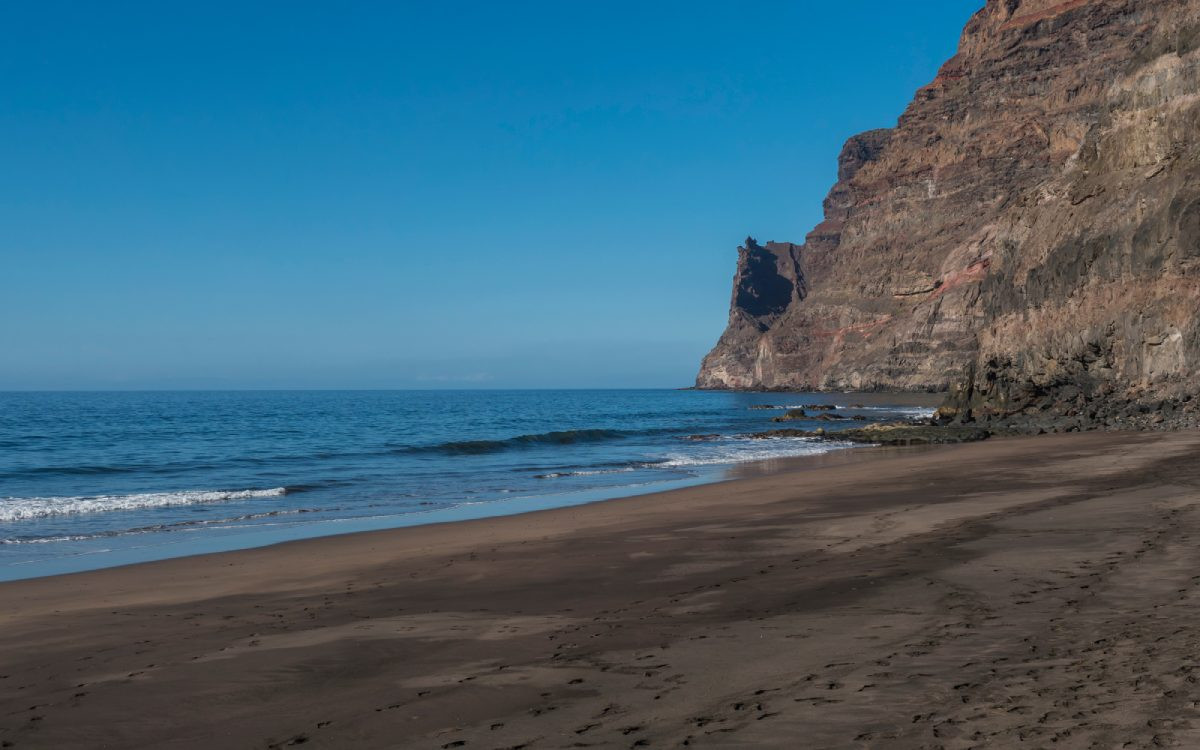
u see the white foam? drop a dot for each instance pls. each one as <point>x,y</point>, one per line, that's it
<point>743,450</point>
<point>904,411</point>
<point>49,539</point>
<point>917,412</point>
<point>584,473</point>
<point>28,508</point>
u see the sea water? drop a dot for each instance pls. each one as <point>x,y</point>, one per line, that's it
<point>90,480</point>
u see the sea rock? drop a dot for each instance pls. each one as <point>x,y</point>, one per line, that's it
<point>792,415</point>
<point>1026,238</point>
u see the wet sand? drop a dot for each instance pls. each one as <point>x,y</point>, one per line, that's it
<point>1032,592</point>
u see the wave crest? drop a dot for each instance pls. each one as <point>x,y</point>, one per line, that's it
<point>30,508</point>
<point>558,437</point>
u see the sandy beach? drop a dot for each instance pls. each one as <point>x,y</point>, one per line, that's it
<point>1031,592</point>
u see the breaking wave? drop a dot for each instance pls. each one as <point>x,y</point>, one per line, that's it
<point>721,450</point>
<point>557,437</point>
<point>589,472</point>
<point>28,508</point>
<point>743,450</point>
<point>914,412</point>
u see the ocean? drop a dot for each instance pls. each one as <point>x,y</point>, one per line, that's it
<point>91,480</point>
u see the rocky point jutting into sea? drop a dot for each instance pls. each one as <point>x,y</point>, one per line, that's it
<point>1026,238</point>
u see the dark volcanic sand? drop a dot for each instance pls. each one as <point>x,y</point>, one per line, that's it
<point>1033,592</point>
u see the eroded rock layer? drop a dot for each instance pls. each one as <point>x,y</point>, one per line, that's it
<point>1027,236</point>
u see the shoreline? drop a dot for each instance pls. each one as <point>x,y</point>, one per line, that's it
<point>177,546</point>
<point>69,506</point>
<point>833,603</point>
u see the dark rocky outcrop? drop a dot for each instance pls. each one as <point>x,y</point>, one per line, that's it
<point>828,417</point>
<point>792,415</point>
<point>1027,238</point>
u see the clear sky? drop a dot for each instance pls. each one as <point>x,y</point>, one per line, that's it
<point>423,194</point>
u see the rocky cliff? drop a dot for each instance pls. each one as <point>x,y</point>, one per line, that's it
<point>1026,237</point>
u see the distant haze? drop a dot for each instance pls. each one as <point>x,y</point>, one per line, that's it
<point>416,195</point>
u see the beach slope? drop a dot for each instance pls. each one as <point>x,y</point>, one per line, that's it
<point>1038,591</point>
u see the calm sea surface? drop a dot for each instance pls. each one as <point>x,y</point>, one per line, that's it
<point>89,480</point>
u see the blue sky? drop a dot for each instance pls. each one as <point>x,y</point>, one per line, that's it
<point>451,194</point>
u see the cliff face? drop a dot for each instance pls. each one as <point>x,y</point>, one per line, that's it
<point>768,283</point>
<point>1028,235</point>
